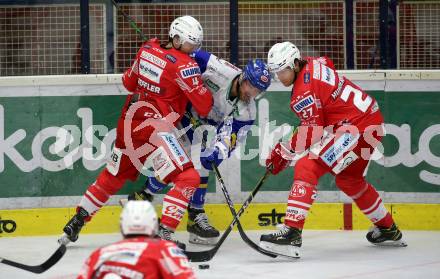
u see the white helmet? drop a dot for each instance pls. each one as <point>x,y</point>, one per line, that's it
<point>188,29</point>
<point>281,56</point>
<point>139,218</point>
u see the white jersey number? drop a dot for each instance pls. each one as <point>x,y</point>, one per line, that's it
<point>361,104</point>
<point>195,81</point>
<point>306,113</point>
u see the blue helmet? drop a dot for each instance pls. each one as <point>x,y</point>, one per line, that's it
<point>257,73</point>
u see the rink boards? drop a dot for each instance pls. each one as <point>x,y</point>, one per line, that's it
<point>41,176</point>
<point>323,216</point>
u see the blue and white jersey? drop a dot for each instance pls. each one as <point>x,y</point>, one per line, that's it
<point>232,118</point>
<point>217,75</point>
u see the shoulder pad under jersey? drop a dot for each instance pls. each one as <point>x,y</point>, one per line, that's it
<point>219,73</point>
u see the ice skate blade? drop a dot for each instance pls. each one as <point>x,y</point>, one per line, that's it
<point>392,243</point>
<point>123,202</point>
<point>195,239</point>
<point>63,240</point>
<point>288,251</point>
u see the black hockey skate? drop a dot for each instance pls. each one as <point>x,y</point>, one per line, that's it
<point>200,231</point>
<point>74,226</point>
<point>167,234</point>
<point>286,241</point>
<point>386,236</point>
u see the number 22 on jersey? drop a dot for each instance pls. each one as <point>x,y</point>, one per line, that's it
<point>328,76</point>
<point>361,104</point>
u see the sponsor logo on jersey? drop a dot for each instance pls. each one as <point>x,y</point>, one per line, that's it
<point>321,60</point>
<point>202,91</point>
<point>306,78</point>
<point>298,191</point>
<point>328,75</point>
<point>345,162</point>
<point>125,246</point>
<point>303,103</point>
<point>120,270</point>
<point>342,144</point>
<point>158,50</point>
<point>150,71</point>
<point>295,214</point>
<point>318,103</point>
<point>150,87</point>
<point>159,161</point>
<point>336,93</point>
<point>188,192</point>
<point>114,161</point>
<point>176,252</point>
<point>214,87</point>
<point>212,68</point>
<point>175,148</point>
<point>154,59</point>
<point>190,72</point>
<point>173,211</point>
<point>171,58</point>
<point>316,70</point>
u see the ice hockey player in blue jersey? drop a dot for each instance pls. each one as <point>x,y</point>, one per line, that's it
<point>232,114</point>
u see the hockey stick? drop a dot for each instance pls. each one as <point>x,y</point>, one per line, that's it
<point>204,256</point>
<point>243,235</point>
<point>131,21</point>
<point>56,256</point>
<point>234,214</point>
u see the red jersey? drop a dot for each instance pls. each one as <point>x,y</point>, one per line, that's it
<point>320,97</point>
<point>138,258</point>
<point>166,79</point>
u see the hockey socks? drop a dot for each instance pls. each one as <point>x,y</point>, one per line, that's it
<point>301,198</point>
<point>372,206</point>
<point>176,200</point>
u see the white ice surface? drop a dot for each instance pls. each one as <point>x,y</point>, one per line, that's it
<point>325,254</point>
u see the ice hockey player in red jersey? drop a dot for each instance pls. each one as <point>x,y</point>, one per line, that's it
<point>140,254</point>
<point>162,80</point>
<point>340,125</point>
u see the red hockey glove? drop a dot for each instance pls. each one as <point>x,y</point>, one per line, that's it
<point>280,158</point>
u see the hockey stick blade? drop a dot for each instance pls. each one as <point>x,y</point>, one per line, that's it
<point>243,235</point>
<point>234,214</point>
<point>207,255</point>
<point>56,256</point>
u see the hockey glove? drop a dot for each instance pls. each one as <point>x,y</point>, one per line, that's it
<point>280,158</point>
<point>210,156</point>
